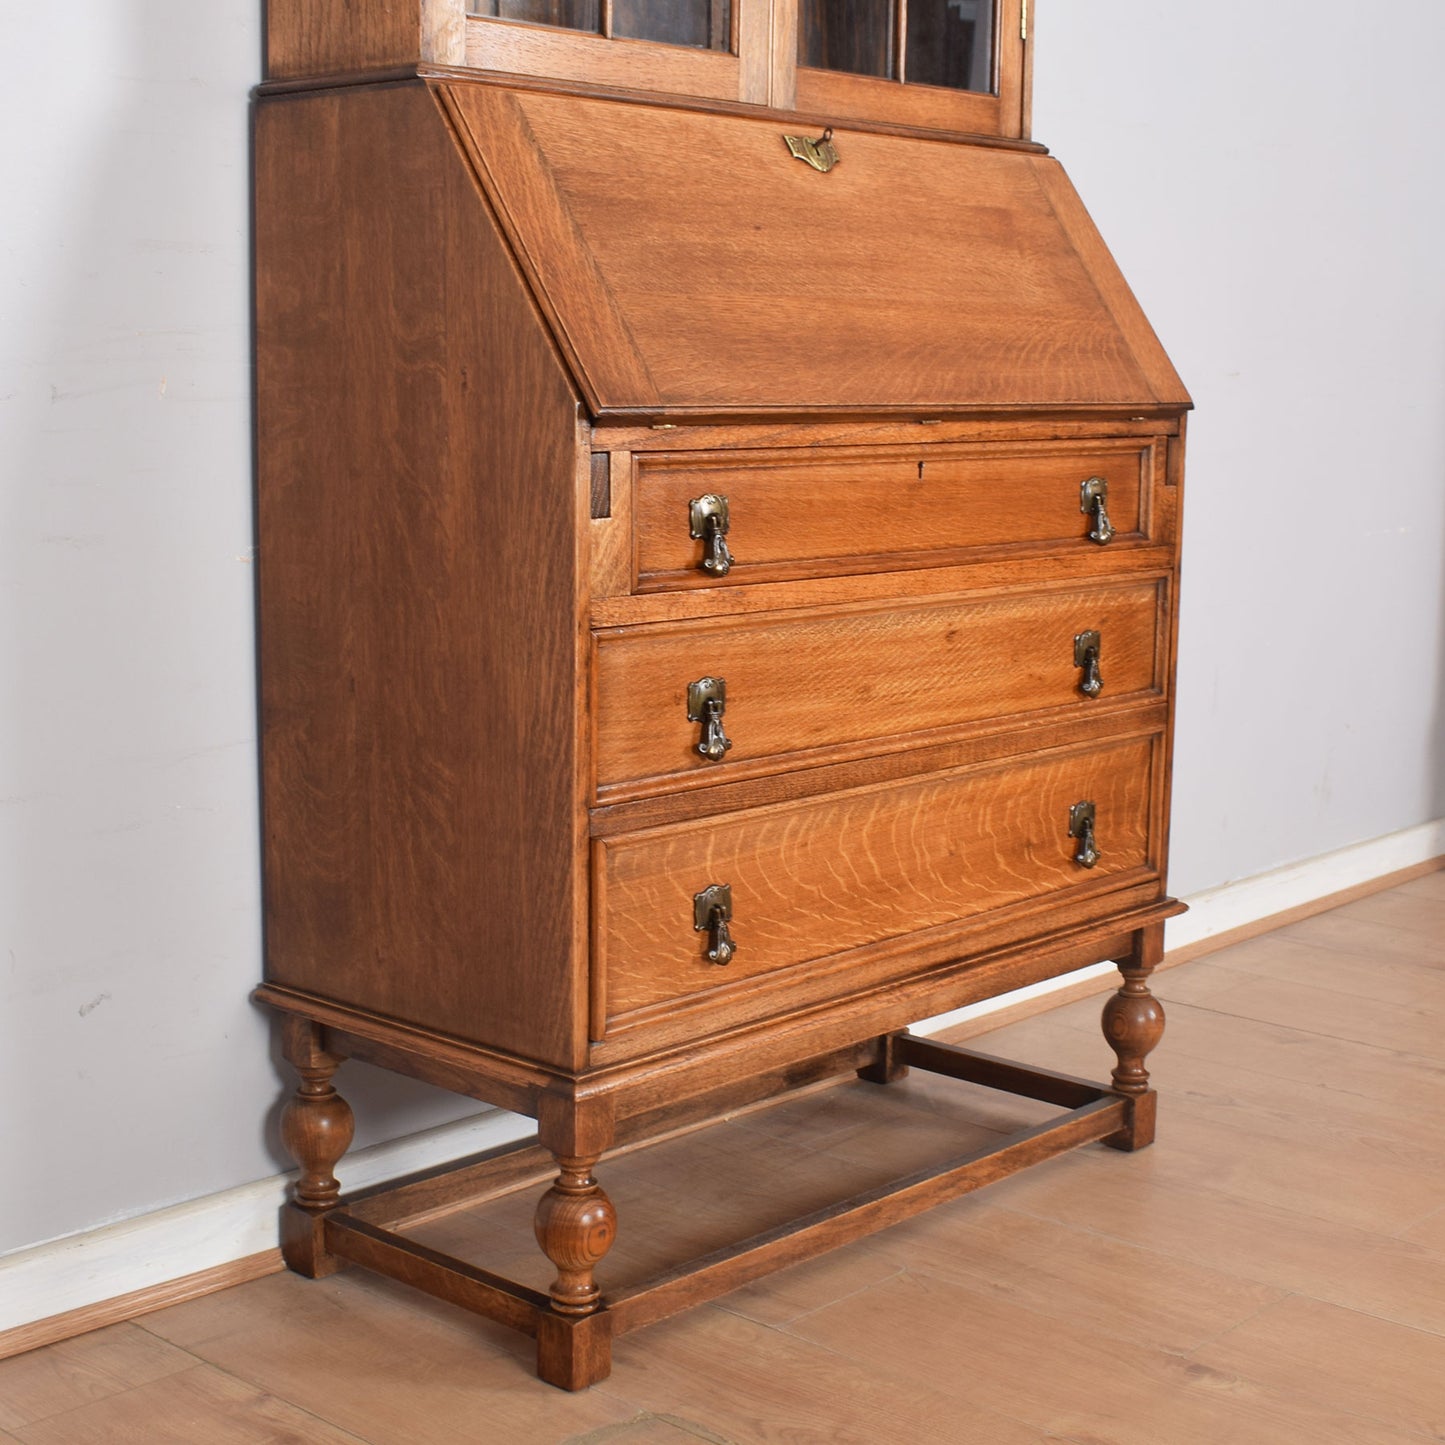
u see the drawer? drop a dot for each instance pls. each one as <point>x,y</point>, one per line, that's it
<point>798,683</point>
<point>821,514</point>
<point>819,880</point>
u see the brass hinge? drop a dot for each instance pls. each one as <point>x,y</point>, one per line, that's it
<point>1024,20</point>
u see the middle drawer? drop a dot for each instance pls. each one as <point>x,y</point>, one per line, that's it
<point>820,682</point>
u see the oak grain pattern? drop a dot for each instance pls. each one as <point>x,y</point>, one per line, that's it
<point>829,513</point>
<point>1009,427</point>
<point>418,586</point>
<point>807,683</point>
<point>896,301</point>
<point>330,37</point>
<point>817,879</point>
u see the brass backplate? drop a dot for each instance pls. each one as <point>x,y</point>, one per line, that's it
<point>702,692</point>
<point>701,509</point>
<point>715,901</point>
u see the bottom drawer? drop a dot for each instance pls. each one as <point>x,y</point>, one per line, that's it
<point>819,878</point>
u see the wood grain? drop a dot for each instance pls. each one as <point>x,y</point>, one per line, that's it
<point>802,685</point>
<point>472,294</point>
<point>633,64</point>
<point>816,879</point>
<point>1010,426</point>
<point>421,780</point>
<point>864,97</point>
<point>98,1366</point>
<point>336,37</point>
<point>169,1412</point>
<point>823,513</point>
<point>906,305</point>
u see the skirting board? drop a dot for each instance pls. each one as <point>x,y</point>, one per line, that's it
<point>62,1288</point>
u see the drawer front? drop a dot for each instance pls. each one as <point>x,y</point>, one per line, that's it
<point>823,515</point>
<point>795,684</point>
<point>820,878</point>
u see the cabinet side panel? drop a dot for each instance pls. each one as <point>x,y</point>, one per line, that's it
<point>418,586</point>
<point>331,37</point>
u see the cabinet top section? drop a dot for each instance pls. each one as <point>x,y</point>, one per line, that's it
<point>690,263</point>
<point>953,66</point>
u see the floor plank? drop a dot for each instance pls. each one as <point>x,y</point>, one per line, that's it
<point>1369,1367</point>
<point>78,1372</point>
<point>649,1430</point>
<point>990,1352</point>
<point>757,1386</point>
<point>1127,1293</point>
<point>366,1362</point>
<point>197,1405</point>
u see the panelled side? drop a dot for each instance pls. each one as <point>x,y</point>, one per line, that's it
<point>418,519</point>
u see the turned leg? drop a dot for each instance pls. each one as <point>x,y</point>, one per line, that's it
<point>316,1127</point>
<point>575,1226</point>
<point>1133,1024</point>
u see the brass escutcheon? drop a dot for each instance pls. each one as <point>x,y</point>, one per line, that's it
<point>821,154</point>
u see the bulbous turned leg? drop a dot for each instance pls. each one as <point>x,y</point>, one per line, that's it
<point>1133,1024</point>
<point>575,1225</point>
<point>316,1127</point>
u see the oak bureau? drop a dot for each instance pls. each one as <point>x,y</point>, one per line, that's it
<point>719,526</point>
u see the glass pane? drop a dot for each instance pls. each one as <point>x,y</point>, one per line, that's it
<point>852,35</point>
<point>706,24</point>
<point>950,42</point>
<point>565,14</point>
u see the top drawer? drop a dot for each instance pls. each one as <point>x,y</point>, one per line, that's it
<point>818,514</point>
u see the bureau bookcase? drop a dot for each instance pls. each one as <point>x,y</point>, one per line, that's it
<point>718,532</point>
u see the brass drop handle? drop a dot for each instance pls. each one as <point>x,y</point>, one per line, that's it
<point>1094,499</point>
<point>706,701</point>
<point>1081,826</point>
<point>712,911</point>
<point>1086,656</point>
<point>708,523</point>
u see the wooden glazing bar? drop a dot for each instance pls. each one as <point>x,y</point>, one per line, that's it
<point>435,1273</point>
<point>730,1268</point>
<point>956,1063</point>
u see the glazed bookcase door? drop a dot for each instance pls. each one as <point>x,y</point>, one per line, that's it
<point>955,65</point>
<point>952,65</point>
<point>707,48</point>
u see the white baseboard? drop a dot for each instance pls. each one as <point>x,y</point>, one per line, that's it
<point>100,1264</point>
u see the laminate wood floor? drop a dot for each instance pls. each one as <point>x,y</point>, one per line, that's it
<point>1272,1271</point>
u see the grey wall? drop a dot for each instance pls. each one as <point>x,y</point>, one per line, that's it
<point>1269,178</point>
<point>1273,191</point>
